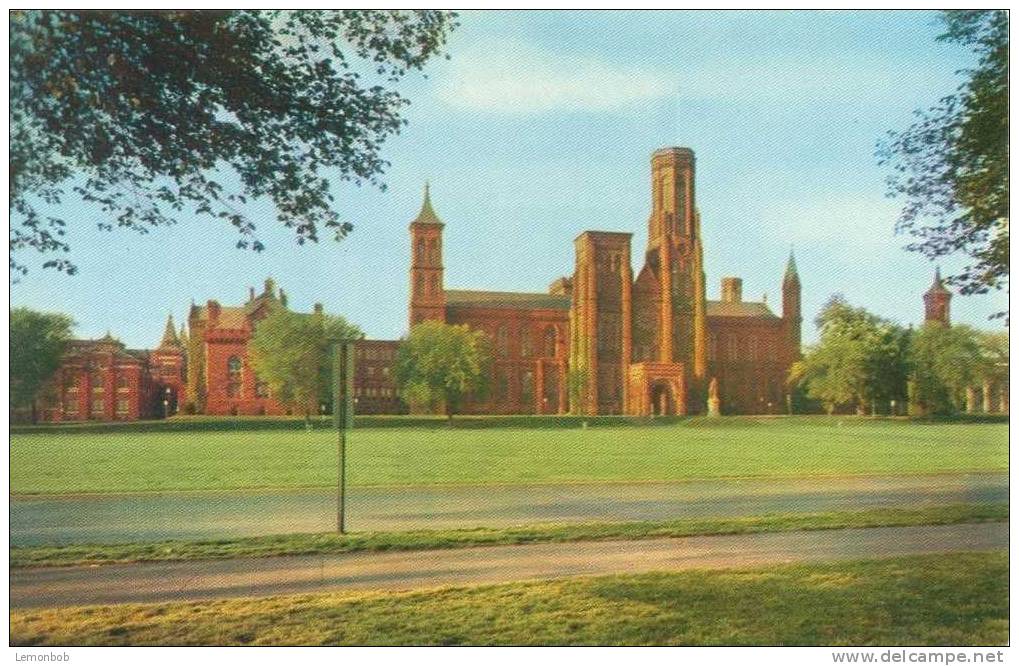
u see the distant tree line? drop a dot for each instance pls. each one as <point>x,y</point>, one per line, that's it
<point>870,365</point>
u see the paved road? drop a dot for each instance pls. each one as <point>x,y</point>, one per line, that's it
<point>183,581</point>
<point>209,515</point>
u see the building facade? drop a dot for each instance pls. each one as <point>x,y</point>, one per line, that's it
<point>605,342</point>
<point>102,380</point>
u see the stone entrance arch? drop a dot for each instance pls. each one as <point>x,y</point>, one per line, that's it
<point>663,399</point>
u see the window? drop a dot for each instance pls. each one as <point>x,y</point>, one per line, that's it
<point>526,348</point>
<point>261,389</point>
<point>98,405</point>
<point>502,385</point>
<point>502,341</point>
<point>96,382</point>
<point>122,383</point>
<point>713,347</point>
<point>123,406</point>
<point>421,250</point>
<point>419,284</point>
<point>733,349</point>
<point>433,285</point>
<point>551,337</point>
<point>752,348</point>
<point>527,391</point>
<point>433,251</point>
<point>233,377</point>
<point>71,407</point>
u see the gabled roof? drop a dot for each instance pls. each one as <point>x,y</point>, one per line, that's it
<point>740,309</point>
<point>505,299</point>
<point>105,344</point>
<point>229,316</point>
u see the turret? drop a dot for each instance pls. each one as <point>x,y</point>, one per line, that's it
<point>170,338</point>
<point>427,292</point>
<point>792,315</point>
<point>672,195</point>
<point>937,302</point>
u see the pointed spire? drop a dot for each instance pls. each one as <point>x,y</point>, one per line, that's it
<point>939,285</point>
<point>427,214</point>
<point>790,268</point>
<point>183,335</point>
<point>170,338</point>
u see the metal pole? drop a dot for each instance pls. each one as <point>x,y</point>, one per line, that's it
<point>343,381</point>
<point>342,482</point>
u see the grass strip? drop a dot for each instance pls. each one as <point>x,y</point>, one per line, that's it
<point>958,599</point>
<point>330,543</point>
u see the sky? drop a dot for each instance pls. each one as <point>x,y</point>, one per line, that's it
<point>540,126</point>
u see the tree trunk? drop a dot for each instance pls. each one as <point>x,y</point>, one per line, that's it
<point>35,416</point>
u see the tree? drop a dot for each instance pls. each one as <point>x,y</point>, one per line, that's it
<point>142,114</point>
<point>38,340</point>
<point>951,165</point>
<point>293,353</point>
<point>439,365</point>
<point>946,361</point>
<point>860,360</point>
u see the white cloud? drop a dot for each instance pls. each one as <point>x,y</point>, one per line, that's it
<point>509,76</point>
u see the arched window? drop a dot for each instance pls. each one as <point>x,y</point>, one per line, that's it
<point>421,250</point>
<point>526,344</point>
<point>433,251</point>
<point>419,285</point>
<point>527,392</point>
<point>233,377</point>
<point>502,385</point>
<point>433,285</point>
<point>551,335</point>
<point>502,341</point>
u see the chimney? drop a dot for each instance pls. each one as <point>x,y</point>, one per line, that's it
<point>318,308</point>
<point>251,294</point>
<point>732,290</point>
<point>283,298</point>
<point>212,307</point>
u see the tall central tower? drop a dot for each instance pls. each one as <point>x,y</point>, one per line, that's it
<point>670,304</point>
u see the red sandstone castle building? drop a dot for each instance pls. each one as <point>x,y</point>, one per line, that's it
<point>600,341</point>
<point>605,342</point>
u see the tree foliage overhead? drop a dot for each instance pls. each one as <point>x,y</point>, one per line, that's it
<point>441,364</point>
<point>38,340</point>
<point>951,165</point>
<point>141,113</point>
<point>292,353</point>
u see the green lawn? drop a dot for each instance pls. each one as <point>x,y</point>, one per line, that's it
<point>929,600</point>
<point>70,462</point>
